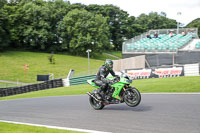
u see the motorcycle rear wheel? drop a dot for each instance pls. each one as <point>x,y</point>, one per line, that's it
<point>95,104</point>
<point>134,98</point>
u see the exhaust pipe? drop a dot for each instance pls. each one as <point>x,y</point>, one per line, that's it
<point>93,96</point>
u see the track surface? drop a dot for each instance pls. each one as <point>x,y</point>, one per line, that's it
<point>157,113</point>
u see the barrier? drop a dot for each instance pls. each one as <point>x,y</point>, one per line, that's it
<point>162,72</point>
<point>184,70</point>
<point>29,88</point>
<point>129,63</point>
<point>192,70</point>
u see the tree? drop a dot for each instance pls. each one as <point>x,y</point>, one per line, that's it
<point>41,20</point>
<point>155,21</point>
<point>132,28</point>
<point>16,24</point>
<point>195,24</point>
<point>57,10</point>
<point>81,30</point>
<point>77,6</point>
<point>2,3</point>
<point>36,28</point>
<point>143,20</point>
<point>57,25</point>
<point>4,30</point>
<point>116,19</point>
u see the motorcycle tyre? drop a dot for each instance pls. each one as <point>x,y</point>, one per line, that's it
<point>94,103</point>
<point>138,96</point>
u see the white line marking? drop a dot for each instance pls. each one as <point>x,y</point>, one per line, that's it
<point>55,127</point>
<point>158,93</point>
<point>171,93</point>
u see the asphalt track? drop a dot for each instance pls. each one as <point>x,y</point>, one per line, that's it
<point>157,113</point>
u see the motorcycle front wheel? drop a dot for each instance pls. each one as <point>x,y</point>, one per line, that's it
<point>132,97</point>
<point>95,104</point>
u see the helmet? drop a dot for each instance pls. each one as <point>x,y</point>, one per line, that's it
<point>109,64</point>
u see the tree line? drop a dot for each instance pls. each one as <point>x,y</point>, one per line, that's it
<point>195,23</point>
<point>57,25</point>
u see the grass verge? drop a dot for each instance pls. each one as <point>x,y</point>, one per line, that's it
<point>173,84</point>
<point>160,85</point>
<point>20,128</point>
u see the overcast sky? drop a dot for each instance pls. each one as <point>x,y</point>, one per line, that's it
<point>190,9</point>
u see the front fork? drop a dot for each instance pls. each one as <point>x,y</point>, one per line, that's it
<point>127,92</point>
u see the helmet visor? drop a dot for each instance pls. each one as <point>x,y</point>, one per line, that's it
<point>110,65</point>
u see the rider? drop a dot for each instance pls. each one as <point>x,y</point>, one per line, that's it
<point>101,80</point>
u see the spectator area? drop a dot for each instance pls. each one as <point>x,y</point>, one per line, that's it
<point>163,43</point>
<point>164,50</point>
<point>197,46</point>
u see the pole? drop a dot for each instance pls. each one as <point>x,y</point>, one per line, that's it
<point>88,63</point>
<point>88,51</point>
<point>177,28</point>
<point>25,73</point>
<point>178,14</point>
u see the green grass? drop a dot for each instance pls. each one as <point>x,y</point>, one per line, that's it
<point>103,57</point>
<point>20,128</point>
<point>116,53</point>
<point>176,84</point>
<point>4,85</point>
<point>12,62</point>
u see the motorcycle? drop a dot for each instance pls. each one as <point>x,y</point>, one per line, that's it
<point>119,91</point>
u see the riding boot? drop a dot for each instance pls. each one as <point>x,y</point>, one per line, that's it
<point>98,94</point>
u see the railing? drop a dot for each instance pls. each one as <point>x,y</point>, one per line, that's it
<point>81,80</point>
<point>80,74</point>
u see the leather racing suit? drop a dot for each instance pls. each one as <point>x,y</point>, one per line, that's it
<point>101,80</point>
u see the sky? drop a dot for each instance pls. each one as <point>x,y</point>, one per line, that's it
<point>183,11</point>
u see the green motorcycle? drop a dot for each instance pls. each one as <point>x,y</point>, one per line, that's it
<point>119,91</point>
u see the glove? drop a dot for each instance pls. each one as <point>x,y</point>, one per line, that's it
<point>108,81</point>
<point>111,82</point>
<point>117,78</point>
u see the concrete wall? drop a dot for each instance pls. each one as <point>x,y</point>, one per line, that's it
<point>181,57</point>
<point>129,63</point>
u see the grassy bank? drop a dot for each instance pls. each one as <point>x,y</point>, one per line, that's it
<point>116,53</point>
<point>12,62</point>
<point>176,84</point>
<point>20,128</point>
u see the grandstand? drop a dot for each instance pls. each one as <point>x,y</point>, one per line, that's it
<point>164,49</point>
